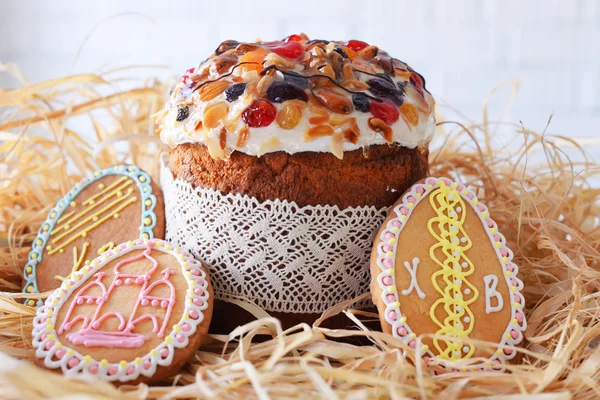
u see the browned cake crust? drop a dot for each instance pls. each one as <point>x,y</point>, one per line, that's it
<point>375,176</point>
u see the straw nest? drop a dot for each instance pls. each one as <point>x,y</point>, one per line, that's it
<point>541,198</point>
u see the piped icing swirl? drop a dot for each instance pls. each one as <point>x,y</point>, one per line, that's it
<point>298,95</point>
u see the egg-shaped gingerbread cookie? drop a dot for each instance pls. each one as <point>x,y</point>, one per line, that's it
<point>110,206</point>
<point>136,313</point>
<point>442,276</point>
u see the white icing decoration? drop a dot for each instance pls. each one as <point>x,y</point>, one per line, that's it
<point>491,283</point>
<point>44,322</point>
<point>507,341</point>
<point>412,270</point>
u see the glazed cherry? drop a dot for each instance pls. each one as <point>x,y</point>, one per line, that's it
<point>417,81</point>
<point>260,113</point>
<point>291,50</point>
<point>356,45</point>
<point>293,38</point>
<point>385,110</point>
<point>187,74</point>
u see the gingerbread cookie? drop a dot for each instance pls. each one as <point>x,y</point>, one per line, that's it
<point>111,206</point>
<point>440,267</point>
<point>137,313</point>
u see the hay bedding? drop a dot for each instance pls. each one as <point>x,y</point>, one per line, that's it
<point>542,200</point>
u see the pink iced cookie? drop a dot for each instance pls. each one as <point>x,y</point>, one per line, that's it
<point>134,314</point>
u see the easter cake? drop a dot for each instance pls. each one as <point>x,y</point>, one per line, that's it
<point>284,157</point>
<point>136,313</point>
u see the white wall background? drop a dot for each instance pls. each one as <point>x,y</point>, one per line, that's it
<point>462,47</point>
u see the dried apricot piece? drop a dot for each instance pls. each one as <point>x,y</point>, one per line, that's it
<point>410,114</point>
<point>415,96</point>
<point>254,57</point>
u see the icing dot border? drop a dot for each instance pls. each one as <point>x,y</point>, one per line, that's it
<point>386,256</point>
<point>72,362</point>
<point>144,184</point>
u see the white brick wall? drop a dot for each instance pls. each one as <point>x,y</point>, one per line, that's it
<point>463,47</point>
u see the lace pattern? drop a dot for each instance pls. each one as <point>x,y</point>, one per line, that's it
<point>278,255</point>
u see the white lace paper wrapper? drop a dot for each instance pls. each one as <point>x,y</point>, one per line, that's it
<point>278,255</point>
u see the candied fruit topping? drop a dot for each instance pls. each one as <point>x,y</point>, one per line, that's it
<point>280,91</point>
<point>296,79</point>
<point>234,92</point>
<point>182,113</point>
<point>252,61</point>
<point>385,89</point>
<point>293,38</point>
<point>410,114</point>
<point>289,116</point>
<point>417,81</point>
<point>186,75</point>
<point>260,113</point>
<point>356,45</point>
<point>291,50</point>
<point>361,102</point>
<point>385,110</point>
<point>324,88</point>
